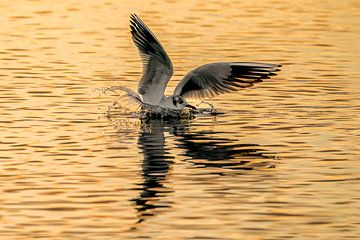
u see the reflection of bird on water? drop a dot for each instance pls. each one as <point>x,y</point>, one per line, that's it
<point>204,149</point>
<point>155,166</point>
<point>205,81</point>
<point>222,152</point>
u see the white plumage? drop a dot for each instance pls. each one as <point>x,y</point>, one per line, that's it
<point>205,81</point>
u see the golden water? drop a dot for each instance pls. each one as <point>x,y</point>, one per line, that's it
<point>281,163</point>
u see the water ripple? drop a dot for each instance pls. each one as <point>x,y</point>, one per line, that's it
<point>283,153</point>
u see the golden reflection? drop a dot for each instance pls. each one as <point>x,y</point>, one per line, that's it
<point>67,172</point>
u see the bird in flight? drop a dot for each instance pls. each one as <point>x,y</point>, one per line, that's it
<point>207,80</point>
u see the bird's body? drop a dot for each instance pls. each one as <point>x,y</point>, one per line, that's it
<point>205,81</point>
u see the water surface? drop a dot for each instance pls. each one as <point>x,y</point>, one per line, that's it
<point>281,163</point>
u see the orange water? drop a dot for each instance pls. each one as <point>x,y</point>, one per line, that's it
<point>281,163</point>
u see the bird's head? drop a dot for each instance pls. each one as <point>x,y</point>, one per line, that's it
<point>179,102</point>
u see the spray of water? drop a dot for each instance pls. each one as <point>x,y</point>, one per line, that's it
<point>128,103</point>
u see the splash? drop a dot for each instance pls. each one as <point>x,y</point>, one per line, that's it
<point>128,103</point>
<point>126,100</point>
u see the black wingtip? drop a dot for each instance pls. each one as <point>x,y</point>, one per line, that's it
<point>133,16</point>
<point>134,20</point>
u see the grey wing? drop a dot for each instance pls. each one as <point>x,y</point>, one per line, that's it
<point>216,78</point>
<point>157,66</point>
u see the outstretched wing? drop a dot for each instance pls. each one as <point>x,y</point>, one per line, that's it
<point>157,66</point>
<point>216,78</point>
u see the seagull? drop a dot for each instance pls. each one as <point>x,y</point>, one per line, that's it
<point>206,81</point>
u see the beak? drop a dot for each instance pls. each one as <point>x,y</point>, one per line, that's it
<point>190,106</point>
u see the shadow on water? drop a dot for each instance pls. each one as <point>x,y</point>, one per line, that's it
<point>203,149</point>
